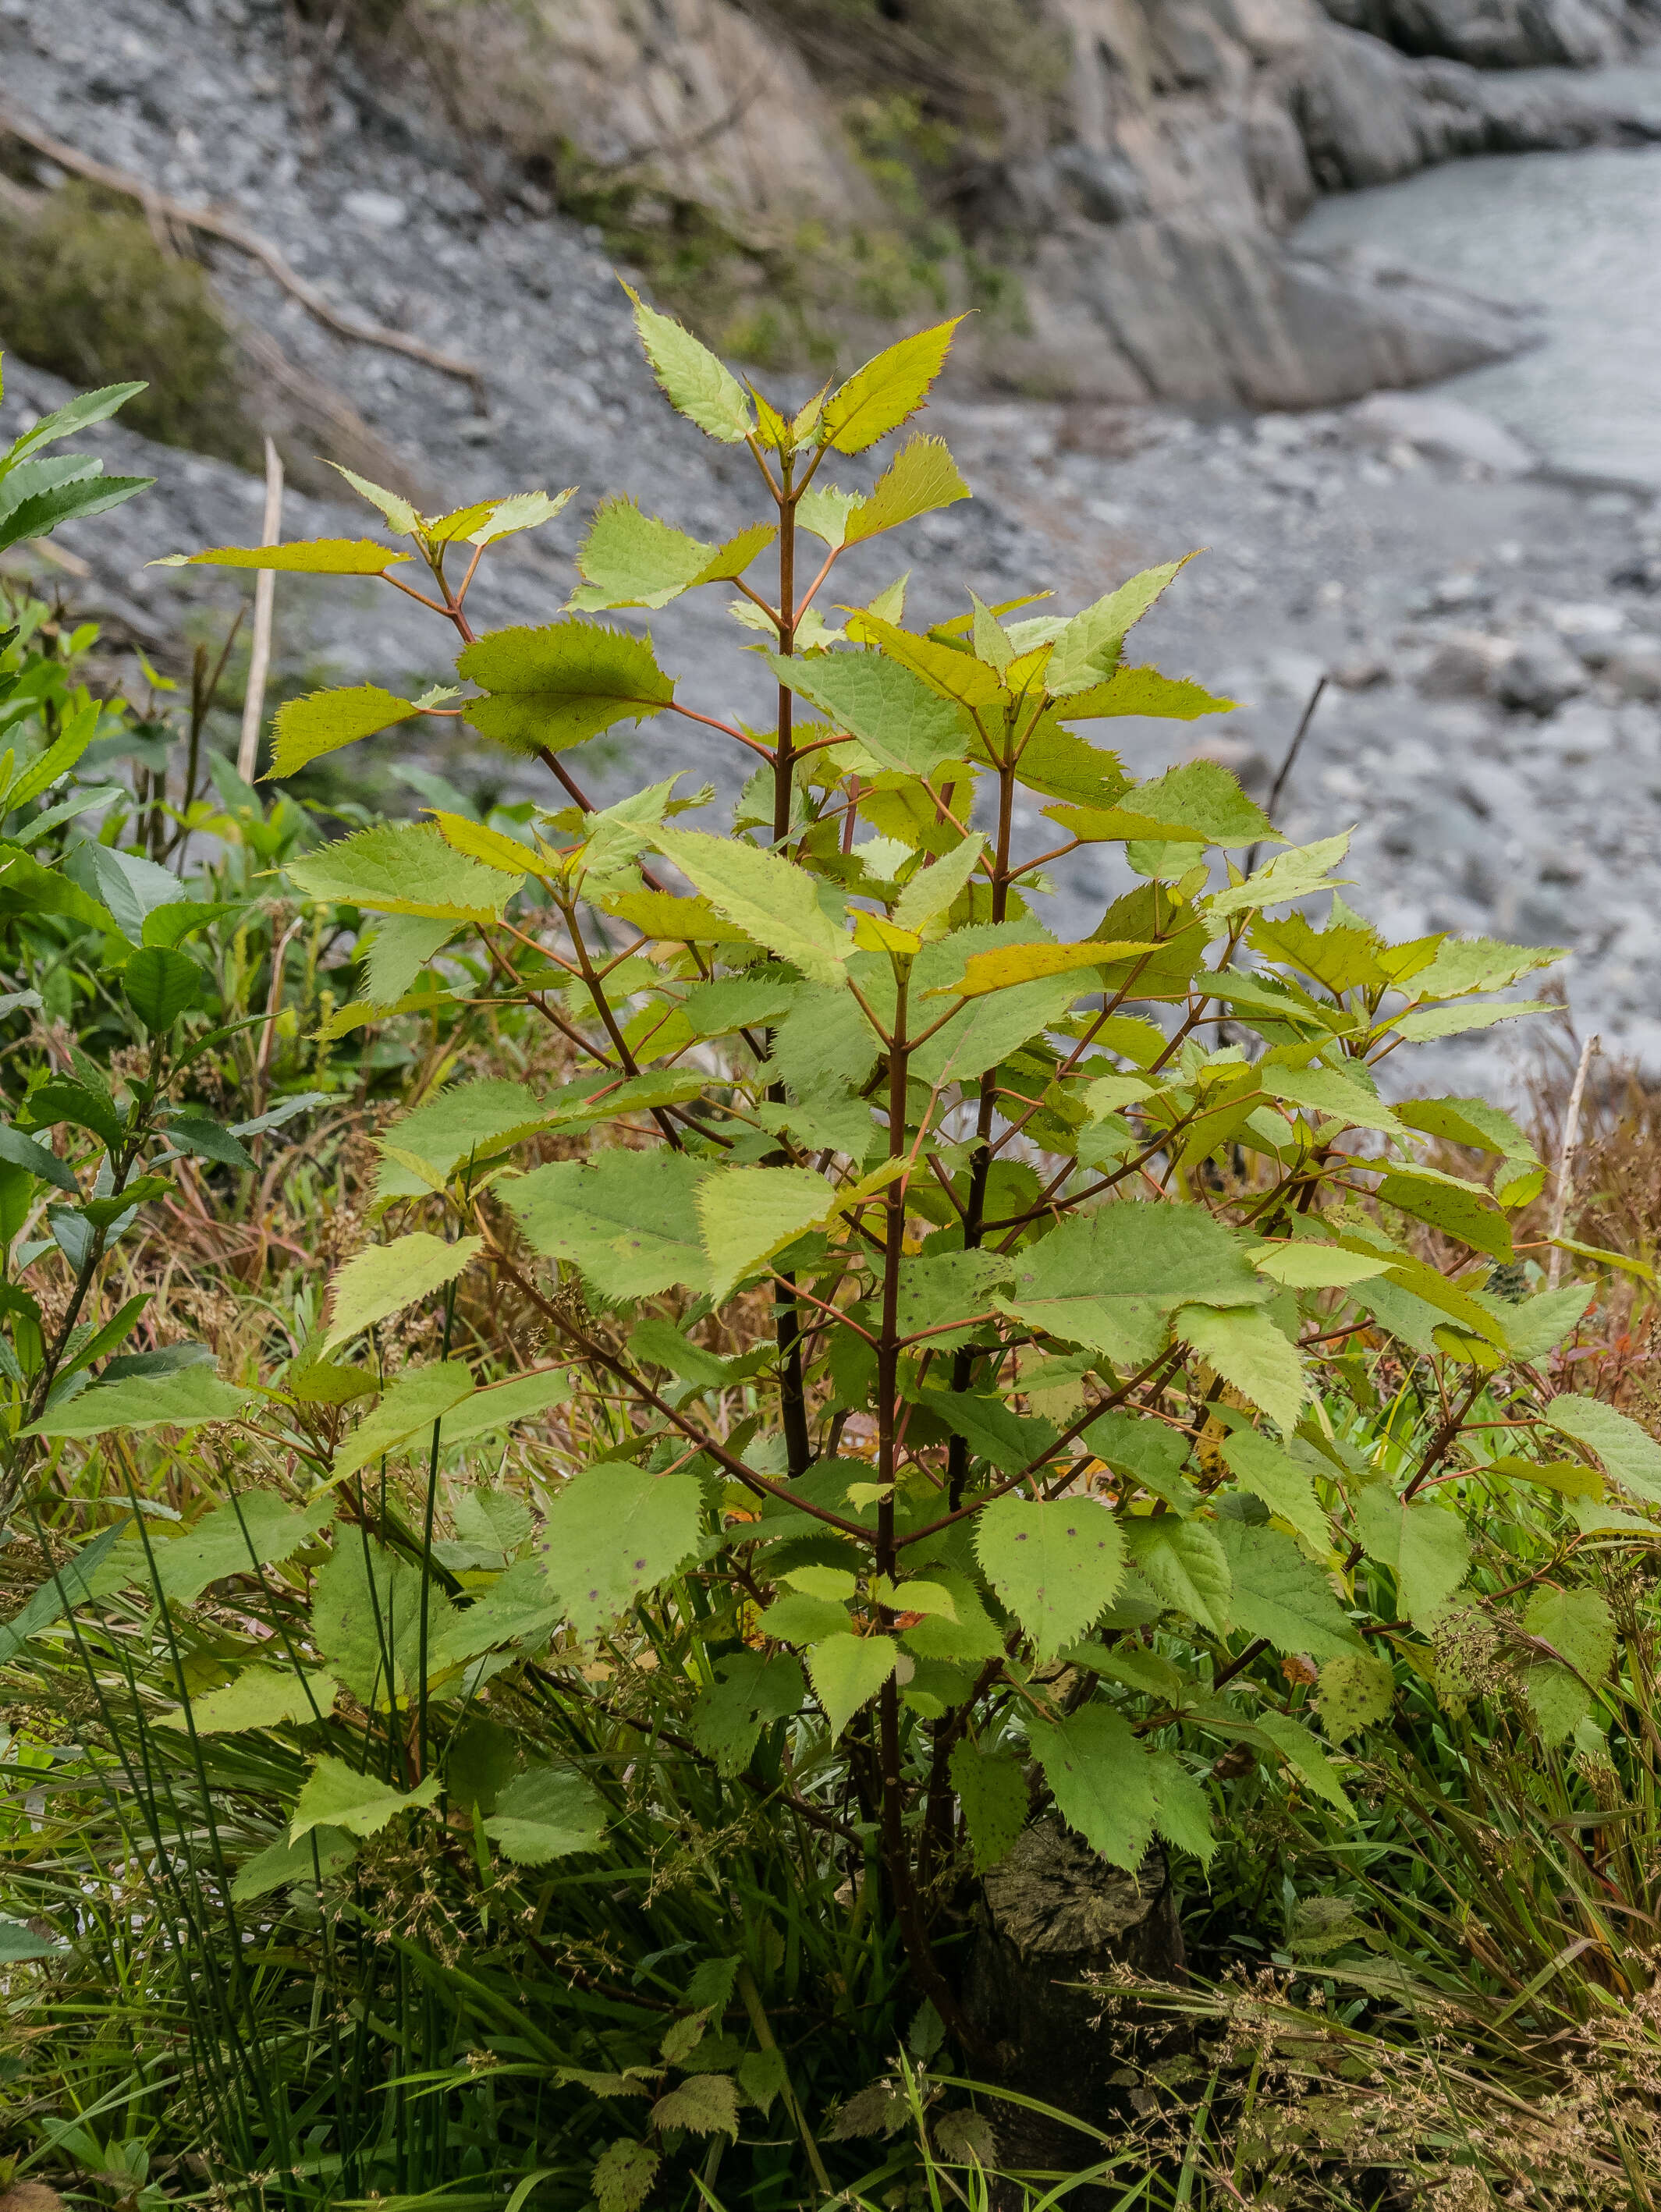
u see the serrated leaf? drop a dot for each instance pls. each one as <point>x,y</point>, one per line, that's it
<point>520,510</point>
<point>954,675</point>
<point>184,1401</point>
<point>319,1854</point>
<point>1356,1691</point>
<point>1055,1563</point>
<point>615,1532</point>
<point>630,559</point>
<point>402,517</point>
<point>695,383</point>
<point>1006,965</point>
<point>195,1133</point>
<point>77,414</point>
<point>1279,1595</point>
<point>38,512</point>
<point>1246,1349</point>
<point>747,1214</point>
<point>561,684</point>
<point>623,2176</point>
<point>748,1692</point>
<point>1088,648</point>
<point>258,1529</point>
<point>336,1796</point>
<point>1424,1544</point>
<point>1111,1279</point>
<point>904,724</point>
<point>259,1698</point>
<point>629,1220</point>
<point>1186,1565</point>
<point>1313,1266</point>
<point>1630,1455</point>
<point>1426,1022</point>
<point>1181,1810</point>
<point>703,2104</point>
<point>1577,1625</point>
<point>930,891</point>
<point>418,1397</point>
<point>407,868</point>
<point>878,397</point>
<point>545,1813</point>
<point>1102,1781</point>
<point>847,1672</point>
<point>1470,1122</point>
<point>1306,1759</point>
<point>1294,874</point>
<point>384,1279</point>
<point>824,509</point>
<point>1538,1325</point>
<point>1142,691</point>
<point>773,902</point>
<point>992,1792</point>
<point>475,1121</point>
<point>323,721</point>
<point>1459,1210</point>
<point>316,557</point>
<point>1267,1470</point>
<point>1478,963</point>
<point>921,477</point>
<point>1324,1092</point>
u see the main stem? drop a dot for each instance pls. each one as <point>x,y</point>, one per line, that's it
<point>787,1317</point>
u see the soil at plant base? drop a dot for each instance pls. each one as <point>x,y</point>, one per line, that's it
<point>1492,636</point>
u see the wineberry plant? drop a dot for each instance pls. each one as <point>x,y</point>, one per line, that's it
<point>965,1338</point>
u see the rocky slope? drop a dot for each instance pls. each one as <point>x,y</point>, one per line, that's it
<point>1494,727</point>
<point>1144,200</point>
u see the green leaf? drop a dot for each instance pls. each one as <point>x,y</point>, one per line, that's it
<point>18,1943</point>
<point>1111,1279</point>
<point>773,902</point>
<point>703,2104</point>
<point>1478,963</point>
<point>476,1120</point>
<point>400,515</point>
<point>750,1691</point>
<point>1470,1122</point>
<point>1186,1565</point>
<point>695,383</point>
<point>1630,1455</point>
<point>316,557</point>
<point>77,414</point>
<point>1089,648</point>
<point>629,559</point>
<point>403,868</point>
<point>615,1532</point>
<point>747,1214</point>
<point>1324,1092</point>
<point>1181,1810</point>
<point>1577,1625</point>
<point>623,2176</point>
<point>1306,1760</point>
<point>1102,1780</point>
<point>395,951</point>
<point>384,1279</point>
<point>992,1792</point>
<point>1356,1691</point>
<point>878,397</point>
<point>257,1530</point>
<point>1055,1563</point>
<point>336,1796</point>
<point>520,510</point>
<point>561,684</point>
<point>762,2076</point>
<point>545,1813</point>
<point>1006,966</point>
<point>160,985</point>
<point>1458,1209</point>
<point>1246,1349</point>
<point>78,1579</point>
<point>847,1672</point>
<point>22,1152</point>
<point>921,477</point>
<point>419,1397</point>
<point>1294,874</point>
<point>195,1133</point>
<point>1280,1595</point>
<point>59,1100</point>
<point>1203,798</point>
<point>259,1698</point>
<point>1429,1022</point>
<point>628,1219</point>
<point>182,1401</point>
<point>1312,1265</point>
<point>905,726</point>
<point>988,1029</point>
<point>1131,691</point>
<point>1264,1468</point>
<point>1424,1544</point>
<point>365,1621</point>
<point>323,721</point>
<point>1539,1325</point>
<point>319,1854</point>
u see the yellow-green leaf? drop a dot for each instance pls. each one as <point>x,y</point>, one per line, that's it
<point>878,397</point>
<point>773,902</point>
<point>403,868</point>
<point>696,384</point>
<point>323,721</point>
<point>921,477</point>
<point>1088,649</point>
<point>561,684</point>
<point>316,557</point>
<point>384,1279</point>
<point>480,842</point>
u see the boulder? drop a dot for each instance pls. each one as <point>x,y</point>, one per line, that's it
<point>1540,675</point>
<point>1463,665</point>
<point>1635,668</point>
<point>1445,428</point>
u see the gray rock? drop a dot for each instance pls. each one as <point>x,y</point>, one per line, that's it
<point>1635,668</point>
<point>1444,427</point>
<point>1580,731</point>
<point>1540,675</point>
<point>1463,665</point>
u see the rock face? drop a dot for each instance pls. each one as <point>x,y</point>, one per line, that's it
<point>1054,1914</point>
<point>1145,222</point>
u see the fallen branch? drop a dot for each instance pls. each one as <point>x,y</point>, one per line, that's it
<point>158,207</point>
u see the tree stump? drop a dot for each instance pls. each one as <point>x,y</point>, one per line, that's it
<point>1051,1914</point>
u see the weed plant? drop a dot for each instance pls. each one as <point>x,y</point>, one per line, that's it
<point>599,1413</point>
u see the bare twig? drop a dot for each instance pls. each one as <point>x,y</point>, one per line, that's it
<point>265,600</point>
<point>1571,1145</point>
<point>232,233</point>
<point>1284,773</point>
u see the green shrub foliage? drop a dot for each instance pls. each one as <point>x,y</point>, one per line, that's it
<point>963,1323</point>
